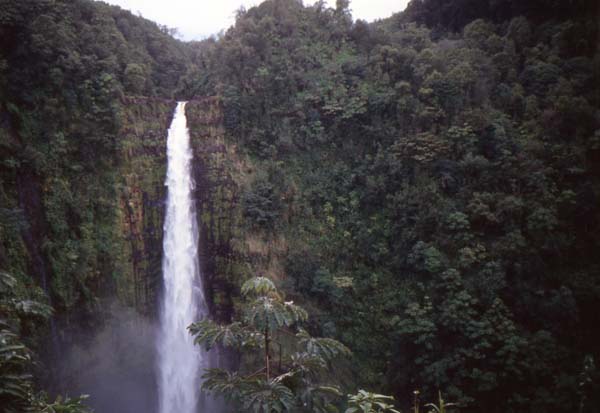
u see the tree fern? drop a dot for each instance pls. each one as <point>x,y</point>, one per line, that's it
<point>272,313</point>
<point>326,348</point>
<point>210,334</point>
<point>297,382</point>
<point>267,396</point>
<point>258,286</point>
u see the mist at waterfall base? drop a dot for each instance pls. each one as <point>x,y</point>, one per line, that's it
<point>117,366</point>
<point>136,365</point>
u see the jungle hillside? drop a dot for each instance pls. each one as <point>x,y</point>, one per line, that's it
<point>389,213</point>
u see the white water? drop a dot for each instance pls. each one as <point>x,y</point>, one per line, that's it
<point>179,361</point>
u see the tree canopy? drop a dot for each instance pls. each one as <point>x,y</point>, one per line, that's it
<point>433,174</point>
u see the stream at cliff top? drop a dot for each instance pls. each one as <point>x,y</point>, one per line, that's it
<point>182,301</point>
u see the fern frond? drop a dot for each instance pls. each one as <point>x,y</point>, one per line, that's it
<point>258,286</point>
<point>327,348</point>
<point>209,334</point>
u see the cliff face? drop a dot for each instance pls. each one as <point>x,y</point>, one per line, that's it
<point>231,249</point>
<point>217,193</point>
<point>81,160</point>
<point>141,194</point>
<point>218,174</point>
<point>126,202</point>
<point>131,272</point>
<point>85,235</point>
<point>106,289</point>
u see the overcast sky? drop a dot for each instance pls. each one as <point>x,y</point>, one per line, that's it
<point>197,19</point>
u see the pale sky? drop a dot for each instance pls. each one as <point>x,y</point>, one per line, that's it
<point>197,19</point>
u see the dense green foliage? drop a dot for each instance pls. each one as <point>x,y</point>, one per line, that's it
<point>68,74</point>
<point>20,314</point>
<point>442,15</point>
<point>433,179</point>
<point>66,68</point>
<point>437,189</point>
<point>301,379</point>
<point>366,402</point>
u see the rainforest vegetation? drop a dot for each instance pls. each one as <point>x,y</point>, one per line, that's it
<point>425,190</point>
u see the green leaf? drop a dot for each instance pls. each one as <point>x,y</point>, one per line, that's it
<point>257,286</point>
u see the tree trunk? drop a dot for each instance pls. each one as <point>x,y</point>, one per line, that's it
<point>267,356</point>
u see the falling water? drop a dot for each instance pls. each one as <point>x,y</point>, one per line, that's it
<point>179,361</point>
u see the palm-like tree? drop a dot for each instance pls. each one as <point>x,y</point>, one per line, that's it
<point>296,383</point>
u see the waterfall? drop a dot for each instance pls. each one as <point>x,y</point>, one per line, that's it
<point>179,361</point>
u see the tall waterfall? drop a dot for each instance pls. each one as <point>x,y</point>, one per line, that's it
<point>179,361</point>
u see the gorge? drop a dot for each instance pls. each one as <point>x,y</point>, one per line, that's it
<point>425,187</point>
